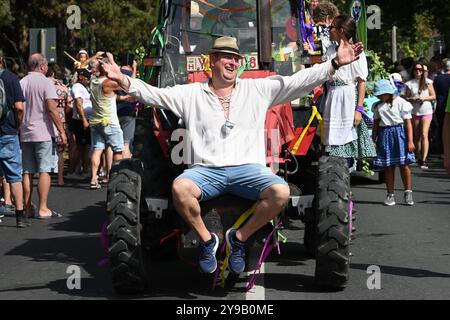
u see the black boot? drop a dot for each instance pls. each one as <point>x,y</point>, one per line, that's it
<point>21,219</point>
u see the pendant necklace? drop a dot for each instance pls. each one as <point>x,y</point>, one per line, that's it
<point>225,102</point>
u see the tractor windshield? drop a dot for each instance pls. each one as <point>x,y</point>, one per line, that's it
<point>215,18</point>
<point>193,25</point>
<point>285,54</point>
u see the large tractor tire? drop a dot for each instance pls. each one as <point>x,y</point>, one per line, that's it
<point>126,256</point>
<point>331,206</point>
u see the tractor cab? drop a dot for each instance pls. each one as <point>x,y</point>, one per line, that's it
<point>266,32</point>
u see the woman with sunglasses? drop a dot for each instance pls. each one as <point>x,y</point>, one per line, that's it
<point>420,92</point>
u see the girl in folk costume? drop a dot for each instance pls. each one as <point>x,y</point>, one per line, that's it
<point>392,133</point>
<point>344,133</point>
<point>420,92</point>
<point>305,10</point>
<point>323,16</point>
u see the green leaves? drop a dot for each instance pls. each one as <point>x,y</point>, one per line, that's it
<point>5,13</point>
<point>377,71</point>
<point>106,25</point>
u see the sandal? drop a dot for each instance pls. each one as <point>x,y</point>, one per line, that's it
<point>95,185</point>
<point>53,215</point>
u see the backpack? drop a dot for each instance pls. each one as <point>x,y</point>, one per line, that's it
<point>4,107</point>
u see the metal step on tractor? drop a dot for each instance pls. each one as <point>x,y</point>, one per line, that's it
<point>143,225</point>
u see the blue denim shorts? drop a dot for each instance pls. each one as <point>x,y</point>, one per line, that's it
<point>246,181</point>
<point>40,157</point>
<point>101,136</point>
<point>10,158</point>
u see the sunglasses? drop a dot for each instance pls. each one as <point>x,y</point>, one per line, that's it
<point>418,69</point>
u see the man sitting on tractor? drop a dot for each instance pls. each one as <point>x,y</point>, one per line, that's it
<point>225,119</point>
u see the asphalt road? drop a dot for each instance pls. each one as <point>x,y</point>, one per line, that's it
<point>410,245</point>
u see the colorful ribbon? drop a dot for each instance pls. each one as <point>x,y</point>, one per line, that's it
<point>315,113</point>
<point>223,265</point>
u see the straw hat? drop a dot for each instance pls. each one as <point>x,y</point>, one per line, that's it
<point>225,45</point>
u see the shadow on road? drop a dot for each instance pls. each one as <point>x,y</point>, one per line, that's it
<point>357,180</point>
<point>292,283</point>
<point>404,272</point>
<point>88,220</point>
<point>83,251</point>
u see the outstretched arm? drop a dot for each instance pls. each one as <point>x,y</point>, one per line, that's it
<point>285,89</point>
<point>167,98</point>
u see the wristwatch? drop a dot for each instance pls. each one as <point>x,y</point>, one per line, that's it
<point>335,64</point>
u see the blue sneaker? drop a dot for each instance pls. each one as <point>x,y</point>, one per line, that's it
<point>236,260</point>
<point>207,260</point>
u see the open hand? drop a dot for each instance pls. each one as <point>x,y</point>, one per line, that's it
<point>112,69</point>
<point>347,52</point>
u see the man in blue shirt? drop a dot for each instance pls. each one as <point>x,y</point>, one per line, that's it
<point>10,157</point>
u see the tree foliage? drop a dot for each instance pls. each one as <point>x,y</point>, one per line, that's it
<point>417,22</point>
<point>107,25</point>
<point>119,26</point>
<point>5,13</point>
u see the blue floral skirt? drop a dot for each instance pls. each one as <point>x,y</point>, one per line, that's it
<point>392,147</point>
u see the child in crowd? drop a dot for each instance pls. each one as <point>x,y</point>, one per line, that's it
<point>393,135</point>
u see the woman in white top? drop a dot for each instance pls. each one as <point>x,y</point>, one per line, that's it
<point>420,92</point>
<point>344,133</point>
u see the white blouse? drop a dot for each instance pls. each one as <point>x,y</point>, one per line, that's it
<point>394,114</point>
<point>420,108</point>
<point>349,73</point>
<point>341,101</point>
